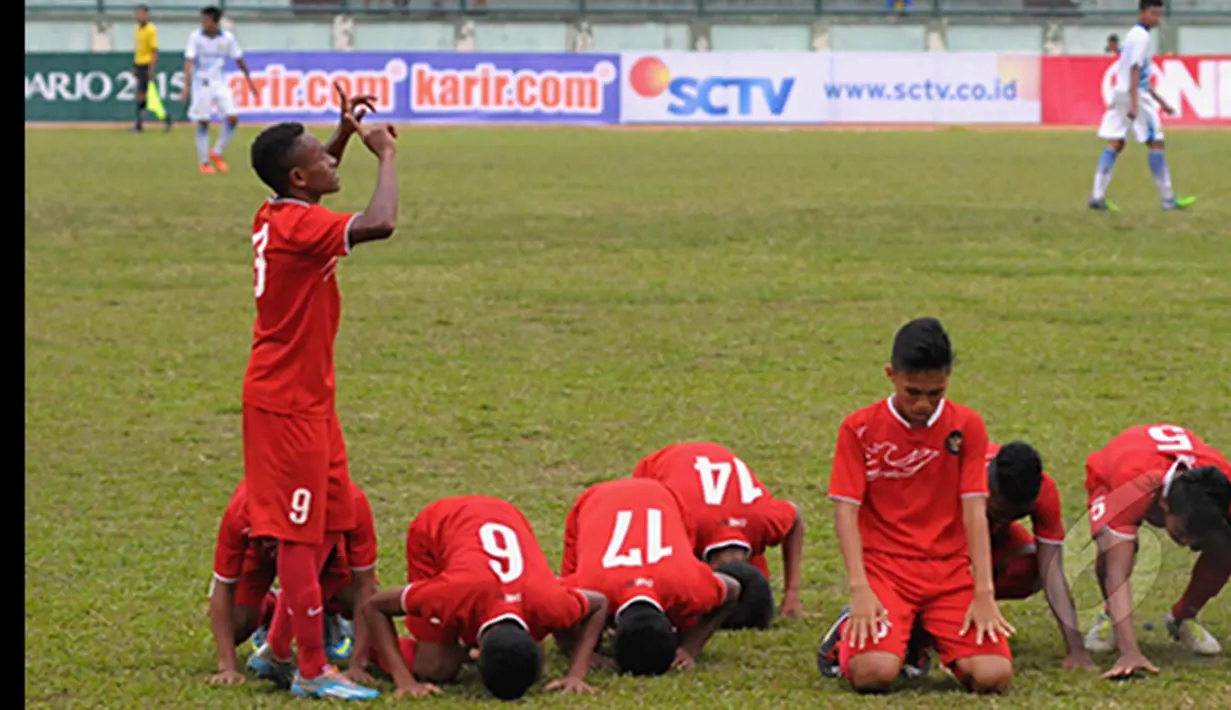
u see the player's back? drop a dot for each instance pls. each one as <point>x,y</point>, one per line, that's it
<point>298,307</point>
<point>703,476</point>
<point>914,477</point>
<point>464,534</point>
<point>1150,450</point>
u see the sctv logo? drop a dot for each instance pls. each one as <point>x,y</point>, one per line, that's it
<point>710,95</point>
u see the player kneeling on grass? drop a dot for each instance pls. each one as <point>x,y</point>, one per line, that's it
<point>629,539</point>
<point>1164,475</point>
<point>909,487</point>
<point>1023,561</point>
<point>735,518</point>
<point>477,577</point>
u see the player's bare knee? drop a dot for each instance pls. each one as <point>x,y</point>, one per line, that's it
<point>1156,145</point>
<point>874,672</point>
<point>1117,145</point>
<point>232,121</point>
<point>987,674</point>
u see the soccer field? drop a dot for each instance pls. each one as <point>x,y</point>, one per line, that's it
<point>557,304</point>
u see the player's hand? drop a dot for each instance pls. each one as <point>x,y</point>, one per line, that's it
<point>867,615</point>
<point>1132,112</point>
<point>1128,664</point>
<point>984,615</point>
<point>353,109</point>
<point>791,607</point>
<point>473,654</point>
<point>417,690</point>
<point>1167,108</point>
<point>359,674</point>
<point>381,139</point>
<point>571,685</point>
<point>231,677</point>
<point>602,663</point>
<point>683,660</point>
<point>1078,661</point>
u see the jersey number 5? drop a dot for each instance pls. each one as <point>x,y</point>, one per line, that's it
<point>260,240</point>
<point>716,476</point>
<point>653,541</point>
<point>501,543</point>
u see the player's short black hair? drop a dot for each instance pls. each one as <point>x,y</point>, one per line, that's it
<point>1016,473</point>
<point>1147,4</point>
<point>922,345</point>
<point>509,660</point>
<point>143,7</point>
<point>755,609</point>
<point>1201,497</point>
<point>212,12</point>
<point>645,641</point>
<point>273,155</point>
<point>1113,38</point>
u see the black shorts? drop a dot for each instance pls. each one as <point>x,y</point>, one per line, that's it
<point>141,72</point>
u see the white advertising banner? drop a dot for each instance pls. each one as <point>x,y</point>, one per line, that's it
<point>722,87</point>
<point>932,87</point>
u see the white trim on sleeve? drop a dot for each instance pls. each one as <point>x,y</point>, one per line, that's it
<point>350,223</point>
<point>1048,541</point>
<point>402,597</point>
<point>844,499</point>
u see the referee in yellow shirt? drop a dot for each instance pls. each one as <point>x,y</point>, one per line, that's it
<point>145,61</point>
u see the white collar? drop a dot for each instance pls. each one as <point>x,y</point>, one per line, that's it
<point>931,420</point>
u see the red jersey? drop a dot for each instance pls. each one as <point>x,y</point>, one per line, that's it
<point>474,560</point>
<point>1045,517</point>
<point>728,505</point>
<point>298,307</point>
<point>1125,478</point>
<point>629,540</point>
<point>910,482</point>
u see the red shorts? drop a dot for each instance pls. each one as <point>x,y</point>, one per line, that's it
<point>937,591</point>
<point>297,477</point>
<point>1015,562</point>
<point>260,570</point>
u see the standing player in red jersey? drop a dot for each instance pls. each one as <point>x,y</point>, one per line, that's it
<point>1165,475</point>
<point>477,577</point>
<point>630,540</point>
<point>909,487</point>
<point>294,454</point>
<point>241,602</point>
<point>1024,561</point>
<point>735,519</point>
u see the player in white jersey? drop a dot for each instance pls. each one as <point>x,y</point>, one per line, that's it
<point>1135,106</point>
<point>206,89</point>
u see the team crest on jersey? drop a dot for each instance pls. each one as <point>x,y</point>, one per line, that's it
<point>883,460</point>
<point>954,443</point>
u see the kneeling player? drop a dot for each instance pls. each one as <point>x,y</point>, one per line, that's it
<point>909,487</point>
<point>629,540</point>
<point>735,519</point>
<point>241,602</point>
<point>477,577</point>
<point>1162,474</point>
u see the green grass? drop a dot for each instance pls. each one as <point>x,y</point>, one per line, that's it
<point>557,304</point>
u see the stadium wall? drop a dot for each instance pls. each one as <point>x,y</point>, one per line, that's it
<point>682,88</point>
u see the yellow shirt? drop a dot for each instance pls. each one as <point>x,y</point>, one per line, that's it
<point>146,44</point>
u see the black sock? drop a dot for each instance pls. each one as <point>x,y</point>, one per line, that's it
<point>140,113</point>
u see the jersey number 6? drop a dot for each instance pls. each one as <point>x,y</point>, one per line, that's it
<point>653,541</point>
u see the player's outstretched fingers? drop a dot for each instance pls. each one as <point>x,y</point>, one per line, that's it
<point>226,678</point>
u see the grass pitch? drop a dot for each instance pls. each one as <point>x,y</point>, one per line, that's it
<point>557,304</point>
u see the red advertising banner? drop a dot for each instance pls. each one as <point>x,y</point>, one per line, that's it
<point>1076,90</point>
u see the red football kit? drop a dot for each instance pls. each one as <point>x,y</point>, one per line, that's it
<point>1125,478</point>
<point>726,502</point>
<point>630,540</point>
<point>909,484</point>
<point>241,559</point>
<point>294,454</point>
<point>1016,570</point>
<point>473,561</point>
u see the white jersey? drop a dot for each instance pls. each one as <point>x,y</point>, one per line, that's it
<point>1137,51</point>
<point>209,56</point>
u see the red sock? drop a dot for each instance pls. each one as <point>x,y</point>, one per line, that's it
<point>299,568</point>
<point>268,604</point>
<point>280,632</point>
<point>1018,577</point>
<point>1210,575</point>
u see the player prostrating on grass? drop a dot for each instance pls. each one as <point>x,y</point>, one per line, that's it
<point>1135,106</point>
<point>206,89</point>
<point>735,518</point>
<point>240,599</point>
<point>910,492</point>
<point>1164,475</point>
<point>629,539</point>
<point>294,455</point>
<point>477,577</point>
<point>1024,560</point>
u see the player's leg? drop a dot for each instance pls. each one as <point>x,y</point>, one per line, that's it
<point>1015,563</point>
<point>874,667</point>
<point>1113,129</point>
<point>337,593</point>
<point>985,667</point>
<point>230,119</point>
<point>199,111</point>
<point>1209,576</point>
<point>141,77</point>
